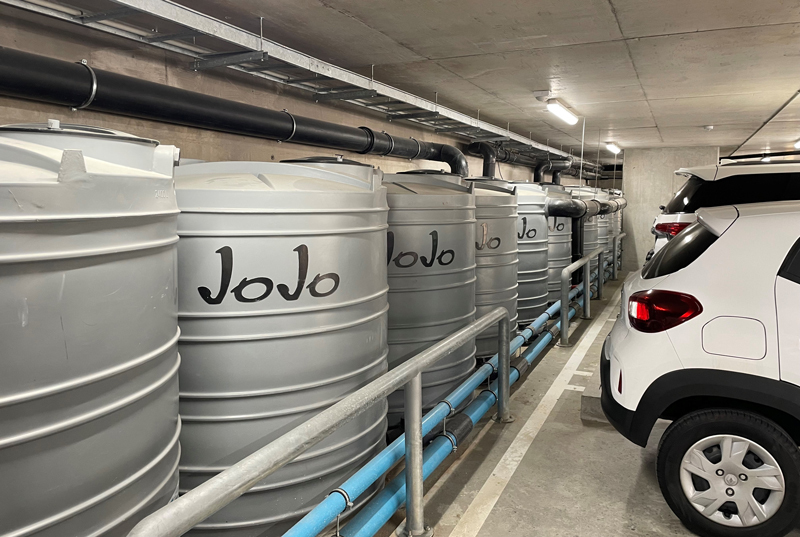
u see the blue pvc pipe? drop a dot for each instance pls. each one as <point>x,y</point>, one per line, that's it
<point>333,505</point>
<point>374,515</point>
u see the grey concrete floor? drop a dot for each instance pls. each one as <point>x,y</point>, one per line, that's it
<point>575,478</point>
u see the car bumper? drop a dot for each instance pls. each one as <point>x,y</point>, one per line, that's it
<point>620,417</point>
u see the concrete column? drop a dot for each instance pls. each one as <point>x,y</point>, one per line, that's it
<point>649,181</point>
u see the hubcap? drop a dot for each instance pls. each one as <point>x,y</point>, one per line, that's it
<point>732,481</point>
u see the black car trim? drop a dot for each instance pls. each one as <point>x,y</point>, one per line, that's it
<point>790,269</point>
<point>683,384</point>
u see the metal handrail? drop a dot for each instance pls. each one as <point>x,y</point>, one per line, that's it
<point>566,275</point>
<point>185,512</point>
<point>616,241</point>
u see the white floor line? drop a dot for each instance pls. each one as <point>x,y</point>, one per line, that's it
<point>478,511</point>
<point>584,373</point>
<point>575,388</point>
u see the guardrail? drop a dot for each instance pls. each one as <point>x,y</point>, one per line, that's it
<point>566,275</point>
<point>185,512</point>
<point>616,242</point>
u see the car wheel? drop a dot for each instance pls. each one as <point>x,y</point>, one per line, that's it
<point>730,473</point>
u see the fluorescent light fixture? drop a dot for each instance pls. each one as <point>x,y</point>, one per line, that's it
<point>797,144</point>
<point>614,148</point>
<point>558,109</point>
<point>766,159</point>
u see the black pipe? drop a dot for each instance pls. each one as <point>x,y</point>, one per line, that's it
<point>39,78</point>
<point>492,155</point>
<point>556,177</point>
<point>550,165</point>
<point>571,208</point>
<point>489,154</point>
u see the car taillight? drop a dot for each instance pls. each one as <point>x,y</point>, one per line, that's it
<point>672,228</point>
<point>656,310</point>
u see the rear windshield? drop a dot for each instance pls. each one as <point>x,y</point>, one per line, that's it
<point>680,252</point>
<point>737,189</point>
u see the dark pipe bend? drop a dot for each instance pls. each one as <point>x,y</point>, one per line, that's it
<point>489,154</point>
<point>550,165</point>
<point>39,78</point>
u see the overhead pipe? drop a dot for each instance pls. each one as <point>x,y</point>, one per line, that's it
<point>492,155</point>
<point>79,86</point>
<point>572,208</point>
<point>550,165</point>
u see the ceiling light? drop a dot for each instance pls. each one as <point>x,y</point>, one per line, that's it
<point>709,127</point>
<point>614,148</point>
<point>766,159</point>
<point>558,109</point>
<point>797,144</point>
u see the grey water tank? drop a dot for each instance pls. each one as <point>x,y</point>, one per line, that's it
<point>283,312</point>
<point>604,226</point>
<point>496,256</point>
<point>532,240</point>
<point>89,331</point>
<point>590,225</point>
<point>431,260</point>
<point>559,244</point>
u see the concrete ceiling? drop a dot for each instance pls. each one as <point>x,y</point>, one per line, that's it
<point>644,73</point>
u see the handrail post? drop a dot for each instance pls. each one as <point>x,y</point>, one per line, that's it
<point>587,290</point>
<point>601,274</point>
<point>565,278</point>
<point>415,510</point>
<point>504,371</point>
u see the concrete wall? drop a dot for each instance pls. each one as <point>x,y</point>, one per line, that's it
<point>65,41</point>
<point>649,181</point>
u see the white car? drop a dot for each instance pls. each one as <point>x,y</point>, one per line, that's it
<point>728,183</point>
<point>709,337</point>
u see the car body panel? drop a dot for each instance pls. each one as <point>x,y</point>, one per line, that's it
<point>734,278</point>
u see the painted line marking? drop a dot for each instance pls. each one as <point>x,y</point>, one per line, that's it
<point>573,388</point>
<point>482,504</point>
<point>584,373</point>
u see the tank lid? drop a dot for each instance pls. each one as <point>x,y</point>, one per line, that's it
<point>54,126</point>
<point>494,185</point>
<point>429,172</point>
<point>338,159</point>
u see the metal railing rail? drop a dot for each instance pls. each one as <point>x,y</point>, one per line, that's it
<point>185,512</point>
<point>616,242</point>
<point>566,275</point>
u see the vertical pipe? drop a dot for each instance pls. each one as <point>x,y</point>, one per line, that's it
<point>415,516</point>
<point>504,370</point>
<point>583,137</point>
<point>601,274</point>
<point>587,289</point>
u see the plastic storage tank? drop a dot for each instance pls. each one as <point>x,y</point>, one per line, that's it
<point>89,331</point>
<point>283,312</point>
<point>496,256</point>
<point>559,244</point>
<point>590,226</point>
<point>532,240</point>
<point>616,223</point>
<point>604,226</point>
<point>431,260</point>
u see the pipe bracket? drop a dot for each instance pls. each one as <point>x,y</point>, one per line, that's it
<point>294,126</point>
<point>391,144</point>
<point>419,148</point>
<point>93,94</point>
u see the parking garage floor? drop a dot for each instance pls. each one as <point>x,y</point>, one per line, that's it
<point>548,473</point>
